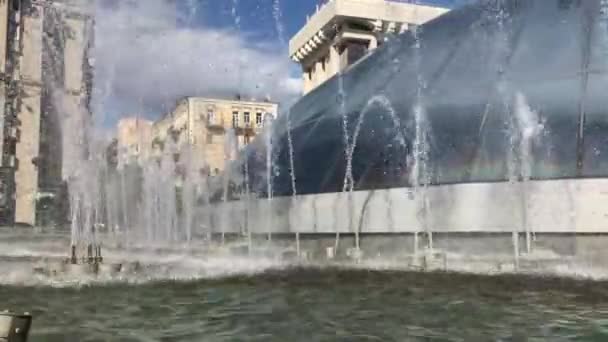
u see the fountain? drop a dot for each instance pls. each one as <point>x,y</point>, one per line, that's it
<point>269,175</point>
<point>421,172</point>
<point>292,174</point>
<point>449,152</point>
<point>348,174</point>
<point>230,148</point>
<point>524,131</point>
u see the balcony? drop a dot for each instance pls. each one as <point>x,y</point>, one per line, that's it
<point>244,128</point>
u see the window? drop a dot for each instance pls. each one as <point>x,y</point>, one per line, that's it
<point>246,118</point>
<point>210,116</point>
<point>209,138</point>
<point>235,119</point>
<point>356,50</point>
<point>258,118</point>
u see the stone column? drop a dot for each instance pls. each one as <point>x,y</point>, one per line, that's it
<point>4,12</point>
<point>334,60</point>
<point>4,6</point>
<point>73,111</point>
<point>26,176</point>
<point>307,83</point>
<point>373,43</point>
<point>318,74</point>
<point>2,118</point>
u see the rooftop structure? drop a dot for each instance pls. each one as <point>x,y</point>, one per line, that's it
<point>342,31</point>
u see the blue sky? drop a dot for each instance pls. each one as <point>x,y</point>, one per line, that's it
<point>149,53</point>
<point>257,15</point>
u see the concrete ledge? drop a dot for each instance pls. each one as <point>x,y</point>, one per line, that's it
<point>491,253</point>
<point>553,206</point>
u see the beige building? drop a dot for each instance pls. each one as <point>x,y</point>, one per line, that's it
<point>200,123</point>
<point>134,136</point>
<point>343,31</point>
<point>46,76</point>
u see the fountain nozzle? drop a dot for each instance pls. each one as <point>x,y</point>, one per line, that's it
<point>93,256</point>
<point>90,257</point>
<point>73,259</point>
<point>98,257</point>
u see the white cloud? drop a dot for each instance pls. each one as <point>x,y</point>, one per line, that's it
<point>144,61</point>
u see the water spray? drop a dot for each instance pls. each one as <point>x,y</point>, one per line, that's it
<point>292,174</point>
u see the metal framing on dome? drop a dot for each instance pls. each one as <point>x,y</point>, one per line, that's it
<point>475,75</point>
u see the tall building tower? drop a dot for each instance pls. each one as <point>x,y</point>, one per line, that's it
<point>340,32</point>
<point>46,75</point>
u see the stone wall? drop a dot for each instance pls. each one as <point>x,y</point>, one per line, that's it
<point>557,222</point>
<point>554,206</point>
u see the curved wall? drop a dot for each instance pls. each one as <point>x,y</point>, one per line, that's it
<point>549,207</point>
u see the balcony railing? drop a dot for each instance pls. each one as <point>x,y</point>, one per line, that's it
<point>215,122</point>
<point>243,125</point>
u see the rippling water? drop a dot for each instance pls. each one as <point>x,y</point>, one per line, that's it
<point>228,298</point>
<point>320,305</point>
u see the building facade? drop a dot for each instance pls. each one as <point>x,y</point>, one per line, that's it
<point>204,124</point>
<point>134,136</point>
<point>340,32</point>
<point>46,79</point>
